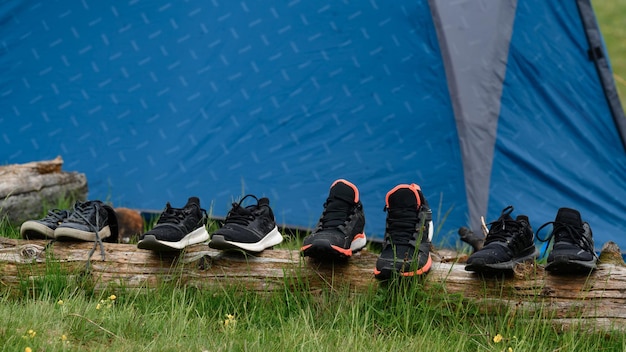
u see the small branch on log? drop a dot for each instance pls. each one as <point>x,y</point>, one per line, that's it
<point>597,299</point>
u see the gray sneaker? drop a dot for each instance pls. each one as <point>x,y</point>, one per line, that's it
<point>44,228</point>
<point>88,221</point>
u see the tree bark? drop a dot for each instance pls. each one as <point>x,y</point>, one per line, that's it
<point>598,299</point>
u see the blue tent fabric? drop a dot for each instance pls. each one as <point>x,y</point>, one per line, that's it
<point>585,172</point>
<point>156,101</point>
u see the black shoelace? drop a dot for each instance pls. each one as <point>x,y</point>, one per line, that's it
<point>171,215</point>
<point>502,229</point>
<point>83,212</point>
<point>337,211</point>
<point>567,233</point>
<point>56,216</point>
<point>177,216</point>
<point>239,214</point>
<point>402,223</point>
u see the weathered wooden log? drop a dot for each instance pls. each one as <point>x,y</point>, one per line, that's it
<point>26,190</point>
<point>598,299</point>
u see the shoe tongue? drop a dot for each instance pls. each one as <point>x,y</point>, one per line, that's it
<point>402,198</point>
<point>193,201</point>
<point>339,204</point>
<point>569,216</point>
<point>402,215</point>
<point>522,218</point>
<point>344,192</point>
<point>264,201</point>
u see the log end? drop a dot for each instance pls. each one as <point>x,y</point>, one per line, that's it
<point>611,254</point>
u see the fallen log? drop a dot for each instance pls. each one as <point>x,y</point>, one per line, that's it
<point>598,299</point>
<point>27,190</point>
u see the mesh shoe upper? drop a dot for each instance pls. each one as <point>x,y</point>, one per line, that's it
<point>573,246</point>
<point>406,246</point>
<point>339,231</point>
<point>508,242</point>
<point>176,223</point>
<point>251,228</point>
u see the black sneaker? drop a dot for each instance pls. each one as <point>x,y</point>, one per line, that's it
<point>88,221</point>
<point>177,228</point>
<point>408,232</point>
<point>339,232</point>
<point>251,228</point>
<point>43,228</point>
<point>509,241</point>
<point>573,251</point>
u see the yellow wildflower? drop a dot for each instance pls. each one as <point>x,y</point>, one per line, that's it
<point>98,306</point>
<point>510,349</point>
<point>497,338</point>
<point>28,349</point>
<point>63,338</point>
<point>112,297</point>
<point>32,333</point>
<point>230,321</point>
<point>60,302</point>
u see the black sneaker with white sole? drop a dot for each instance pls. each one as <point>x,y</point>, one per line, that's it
<point>177,228</point>
<point>339,231</point>
<point>249,228</point>
<point>44,228</point>
<point>572,251</point>
<point>88,221</point>
<point>509,242</point>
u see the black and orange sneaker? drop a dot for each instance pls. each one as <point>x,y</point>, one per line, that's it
<point>249,228</point>
<point>177,228</point>
<point>509,242</point>
<point>408,232</point>
<point>573,251</point>
<point>339,231</point>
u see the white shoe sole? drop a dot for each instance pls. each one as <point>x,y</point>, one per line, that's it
<point>358,243</point>
<point>68,233</point>
<point>198,235</point>
<point>271,239</point>
<point>35,230</point>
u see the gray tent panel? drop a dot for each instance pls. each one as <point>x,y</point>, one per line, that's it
<point>474,38</point>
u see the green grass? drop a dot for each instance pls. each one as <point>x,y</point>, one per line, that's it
<point>61,312</point>
<point>176,319</point>
<point>610,15</point>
